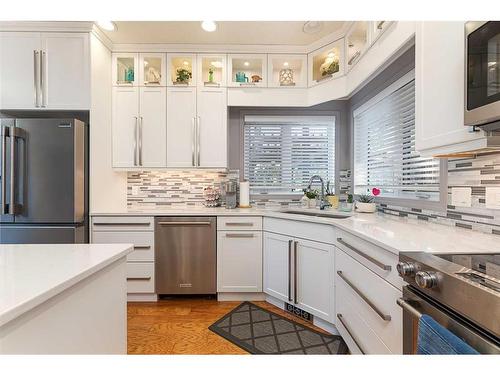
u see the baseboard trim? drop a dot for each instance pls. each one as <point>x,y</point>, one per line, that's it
<point>142,297</point>
<point>241,297</point>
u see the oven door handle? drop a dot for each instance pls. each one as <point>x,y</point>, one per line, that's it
<point>409,308</point>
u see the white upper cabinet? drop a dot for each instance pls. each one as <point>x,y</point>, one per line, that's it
<point>181,69</point>
<point>125,126</point>
<point>44,71</point>
<point>357,42</point>
<point>326,63</point>
<point>152,126</point>
<point>287,70</point>
<point>247,70</point>
<point>212,70</point>
<point>211,140</point>
<point>125,69</point>
<point>66,70</point>
<point>152,69</point>
<point>378,28</point>
<point>181,127</point>
<point>439,88</point>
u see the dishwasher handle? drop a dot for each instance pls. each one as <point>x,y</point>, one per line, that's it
<point>183,223</point>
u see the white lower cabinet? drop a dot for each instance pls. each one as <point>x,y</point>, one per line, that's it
<point>300,272</point>
<point>239,261</point>
<point>138,231</point>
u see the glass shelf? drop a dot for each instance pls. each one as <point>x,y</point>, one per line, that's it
<point>357,42</point>
<point>247,70</point>
<point>287,70</point>
<point>327,62</point>
<point>212,70</point>
<point>182,70</point>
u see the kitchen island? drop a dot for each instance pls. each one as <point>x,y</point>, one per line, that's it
<point>63,299</point>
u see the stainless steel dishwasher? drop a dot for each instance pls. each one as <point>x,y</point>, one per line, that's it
<point>185,255</point>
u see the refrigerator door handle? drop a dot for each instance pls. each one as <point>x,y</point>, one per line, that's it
<point>15,134</point>
<point>3,188</point>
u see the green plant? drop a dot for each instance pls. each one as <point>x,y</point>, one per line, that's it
<point>329,189</point>
<point>183,75</point>
<point>365,198</point>
<point>334,67</point>
<point>349,198</point>
<point>311,194</point>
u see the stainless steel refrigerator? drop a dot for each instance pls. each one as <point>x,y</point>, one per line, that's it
<point>43,181</point>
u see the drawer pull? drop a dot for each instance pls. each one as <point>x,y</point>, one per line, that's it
<point>383,316</point>
<point>239,235</point>
<point>342,321</point>
<point>239,224</point>
<point>138,278</point>
<point>146,247</point>
<point>179,223</point>
<point>385,267</point>
<point>121,224</point>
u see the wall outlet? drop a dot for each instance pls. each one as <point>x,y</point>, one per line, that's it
<point>493,198</point>
<point>461,196</point>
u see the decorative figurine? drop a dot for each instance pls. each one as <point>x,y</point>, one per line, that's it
<point>286,77</point>
<point>256,78</point>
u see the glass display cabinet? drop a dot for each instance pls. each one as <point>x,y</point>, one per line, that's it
<point>326,63</point>
<point>125,69</point>
<point>287,70</point>
<point>152,69</point>
<point>247,70</point>
<point>182,69</point>
<point>357,41</point>
<point>212,70</point>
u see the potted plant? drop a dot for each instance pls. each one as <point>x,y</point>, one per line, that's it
<point>311,195</point>
<point>365,202</point>
<point>183,76</point>
<point>332,198</point>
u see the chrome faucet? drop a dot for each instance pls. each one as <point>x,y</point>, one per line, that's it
<point>322,202</point>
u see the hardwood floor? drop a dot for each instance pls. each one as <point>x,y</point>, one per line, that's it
<point>180,326</point>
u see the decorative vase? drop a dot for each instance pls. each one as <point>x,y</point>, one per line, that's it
<point>286,77</point>
<point>312,203</point>
<point>210,76</point>
<point>345,206</point>
<point>304,202</point>
<point>366,207</point>
<point>333,200</point>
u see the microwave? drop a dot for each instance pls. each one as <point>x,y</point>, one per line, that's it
<point>482,74</point>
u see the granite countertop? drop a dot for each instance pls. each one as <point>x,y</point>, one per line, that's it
<point>396,234</point>
<point>31,274</point>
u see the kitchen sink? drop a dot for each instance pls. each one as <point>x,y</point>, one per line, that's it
<point>317,214</point>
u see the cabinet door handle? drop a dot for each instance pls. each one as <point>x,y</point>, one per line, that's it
<point>239,235</point>
<point>135,141</point>
<point>236,224</point>
<point>198,125</point>
<point>380,25</point>
<point>145,247</point>
<point>193,144</point>
<point>4,134</point>
<point>120,224</point>
<point>290,270</point>
<point>174,223</point>
<point>385,267</point>
<point>342,321</point>
<point>382,316</point>
<point>138,278</point>
<point>295,251</point>
<point>140,140</point>
<point>43,90</point>
<point>36,80</point>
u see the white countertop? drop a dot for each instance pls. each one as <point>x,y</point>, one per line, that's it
<point>31,274</point>
<point>393,233</point>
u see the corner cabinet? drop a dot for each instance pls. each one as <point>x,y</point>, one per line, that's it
<point>440,90</point>
<point>44,71</point>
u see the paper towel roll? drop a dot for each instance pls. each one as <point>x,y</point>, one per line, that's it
<point>244,194</point>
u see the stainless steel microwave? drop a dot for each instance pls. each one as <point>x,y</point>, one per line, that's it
<point>482,73</point>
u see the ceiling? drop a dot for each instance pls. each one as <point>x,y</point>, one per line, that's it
<point>228,32</point>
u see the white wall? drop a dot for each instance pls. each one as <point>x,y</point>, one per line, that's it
<point>108,189</point>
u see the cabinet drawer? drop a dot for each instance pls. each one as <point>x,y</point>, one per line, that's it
<point>301,229</point>
<point>122,223</point>
<point>377,259</point>
<point>239,223</point>
<point>144,249</point>
<point>372,297</point>
<point>140,277</point>
<point>357,334</point>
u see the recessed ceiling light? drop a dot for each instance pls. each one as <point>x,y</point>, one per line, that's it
<point>246,63</point>
<point>285,63</point>
<point>312,27</point>
<point>209,26</point>
<point>106,25</point>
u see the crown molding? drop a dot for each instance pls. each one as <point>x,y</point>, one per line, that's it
<point>103,38</point>
<point>47,26</point>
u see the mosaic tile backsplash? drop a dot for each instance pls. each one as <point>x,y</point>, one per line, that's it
<point>156,189</point>
<point>478,174</point>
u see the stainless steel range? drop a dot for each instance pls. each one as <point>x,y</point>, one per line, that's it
<point>460,291</point>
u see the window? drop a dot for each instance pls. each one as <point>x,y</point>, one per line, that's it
<point>281,153</point>
<point>384,147</point>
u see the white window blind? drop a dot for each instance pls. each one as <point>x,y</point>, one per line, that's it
<point>384,148</point>
<point>281,153</point>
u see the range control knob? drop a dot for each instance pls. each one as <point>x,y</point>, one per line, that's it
<point>426,279</point>
<point>406,269</point>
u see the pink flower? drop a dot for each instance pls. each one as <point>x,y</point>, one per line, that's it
<point>375,191</point>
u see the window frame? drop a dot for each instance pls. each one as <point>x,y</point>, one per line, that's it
<point>282,112</point>
<point>439,205</point>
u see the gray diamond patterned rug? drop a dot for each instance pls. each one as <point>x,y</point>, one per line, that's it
<point>260,331</point>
